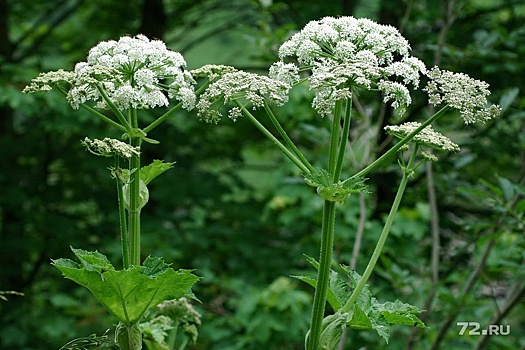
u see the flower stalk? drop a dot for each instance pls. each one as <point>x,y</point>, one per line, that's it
<point>407,171</point>
<point>134,207</point>
<point>287,139</point>
<point>337,155</point>
<point>402,142</point>
<point>304,168</point>
<point>124,237</point>
<point>321,290</point>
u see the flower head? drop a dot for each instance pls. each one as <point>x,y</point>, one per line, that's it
<point>285,72</point>
<point>46,81</point>
<point>236,86</point>
<point>110,147</point>
<point>459,91</point>
<point>133,72</point>
<point>212,71</point>
<point>341,38</point>
<point>426,137</point>
<point>347,54</point>
<point>182,313</point>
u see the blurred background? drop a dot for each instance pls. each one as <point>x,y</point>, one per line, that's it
<point>234,209</point>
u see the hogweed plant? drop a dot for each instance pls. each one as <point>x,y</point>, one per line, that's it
<point>338,58</point>
<point>124,78</point>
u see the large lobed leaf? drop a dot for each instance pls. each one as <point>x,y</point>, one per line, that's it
<point>151,171</point>
<point>367,312</point>
<point>127,294</point>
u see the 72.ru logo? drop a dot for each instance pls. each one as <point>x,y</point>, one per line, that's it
<point>493,329</point>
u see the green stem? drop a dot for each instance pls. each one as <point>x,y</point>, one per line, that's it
<point>96,113</point>
<point>287,139</point>
<point>165,116</point>
<point>384,234</point>
<point>272,138</point>
<point>124,238</point>
<point>321,289</point>
<point>134,200</point>
<point>114,108</point>
<point>162,118</point>
<point>172,335</point>
<point>336,125</point>
<point>343,141</point>
<point>336,154</point>
<point>403,141</point>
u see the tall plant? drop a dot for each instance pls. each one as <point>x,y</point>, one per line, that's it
<point>123,78</point>
<point>339,58</point>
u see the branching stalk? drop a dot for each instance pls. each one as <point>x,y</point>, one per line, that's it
<point>162,118</point>
<point>272,138</point>
<point>134,200</point>
<point>337,151</point>
<point>334,141</point>
<point>114,108</point>
<point>172,110</point>
<point>124,238</point>
<point>403,141</point>
<point>96,113</point>
<point>327,245</point>
<point>384,235</point>
<point>343,141</point>
<point>287,139</point>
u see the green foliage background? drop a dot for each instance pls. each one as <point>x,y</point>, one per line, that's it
<point>233,208</point>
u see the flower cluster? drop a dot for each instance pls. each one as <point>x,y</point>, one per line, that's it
<point>459,91</point>
<point>182,313</point>
<point>110,147</point>
<point>346,54</point>
<point>128,73</point>
<point>426,137</point>
<point>212,72</point>
<point>236,87</point>
<point>46,81</point>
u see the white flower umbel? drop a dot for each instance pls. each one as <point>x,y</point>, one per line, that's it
<point>110,147</point>
<point>46,81</point>
<point>212,72</point>
<point>459,91</point>
<point>426,137</point>
<point>347,54</point>
<point>286,72</point>
<point>240,86</point>
<point>133,72</point>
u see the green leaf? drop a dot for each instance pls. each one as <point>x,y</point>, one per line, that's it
<point>335,192</point>
<point>154,266</point>
<point>330,297</point>
<point>507,189</point>
<point>520,207</point>
<point>332,330</point>
<point>364,299</point>
<point>321,178</point>
<point>337,291</point>
<point>127,294</point>
<point>93,261</point>
<point>153,345</point>
<point>367,313</point>
<point>398,313</point>
<point>359,319</point>
<point>149,172</point>
<point>156,329</point>
<point>92,342</point>
<point>128,337</point>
